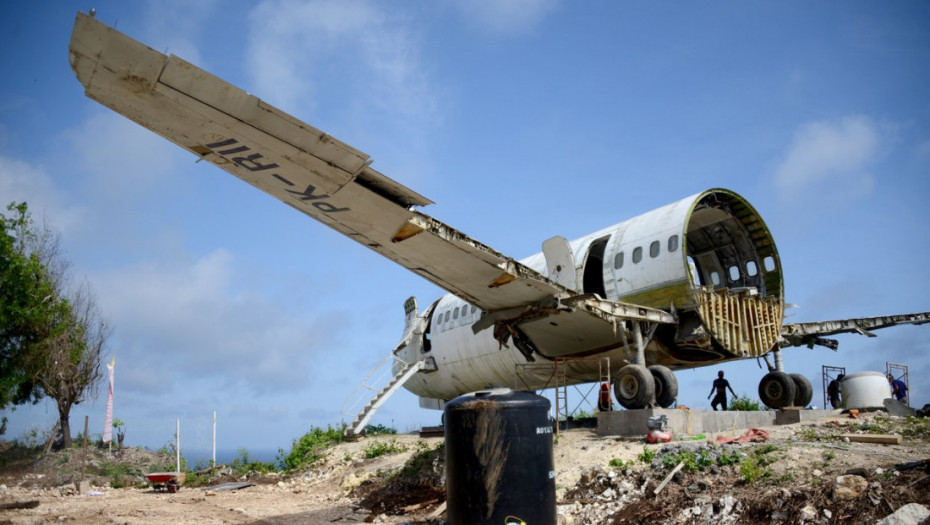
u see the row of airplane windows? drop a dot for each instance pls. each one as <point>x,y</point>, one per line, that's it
<point>454,314</point>
<point>443,319</point>
<point>654,248</point>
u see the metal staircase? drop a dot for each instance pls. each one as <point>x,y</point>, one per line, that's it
<point>370,385</point>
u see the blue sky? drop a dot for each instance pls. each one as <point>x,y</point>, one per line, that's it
<point>521,120</point>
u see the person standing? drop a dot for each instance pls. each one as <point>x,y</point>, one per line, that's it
<point>898,388</point>
<point>720,386</point>
<point>833,391</point>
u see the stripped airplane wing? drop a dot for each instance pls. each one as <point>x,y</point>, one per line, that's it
<point>810,334</point>
<point>296,163</point>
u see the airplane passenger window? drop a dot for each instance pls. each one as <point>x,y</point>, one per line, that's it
<point>447,316</point>
<point>654,249</point>
<point>473,309</point>
<point>672,243</point>
<point>455,313</point>
<point>734,273</point>
<point>751,269</point>
<point>715,278</point>
<point>769,263</point>
<point>637,254</point>
<point>618,261</point>
<point>464,310</point>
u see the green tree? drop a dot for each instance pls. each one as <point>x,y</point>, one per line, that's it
<point>25,303</point>
<point>55,336</point>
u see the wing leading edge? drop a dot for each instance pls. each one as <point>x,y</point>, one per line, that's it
<point>295,163</point>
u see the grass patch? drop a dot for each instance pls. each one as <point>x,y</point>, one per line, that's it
<point>382,448</point>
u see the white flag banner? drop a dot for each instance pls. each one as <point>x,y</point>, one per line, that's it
<point>108,420</point>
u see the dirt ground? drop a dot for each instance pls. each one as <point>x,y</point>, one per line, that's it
<point>804,473</point>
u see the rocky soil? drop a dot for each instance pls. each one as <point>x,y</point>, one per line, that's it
<point>804,473</point>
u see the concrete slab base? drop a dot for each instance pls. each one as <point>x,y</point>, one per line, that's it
<point>682,422</point>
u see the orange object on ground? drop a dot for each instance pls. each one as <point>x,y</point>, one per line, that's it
<point>658,436</point>
<point>752,435</point>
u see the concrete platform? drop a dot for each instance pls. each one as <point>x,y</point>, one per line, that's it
<point>682,422</point>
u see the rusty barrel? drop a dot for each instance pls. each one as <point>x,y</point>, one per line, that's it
<point>499,467</point>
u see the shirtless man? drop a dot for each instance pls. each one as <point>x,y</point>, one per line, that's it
<point>720,385</point>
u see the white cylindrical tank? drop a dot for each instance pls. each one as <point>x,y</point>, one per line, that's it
<point>865,390</point>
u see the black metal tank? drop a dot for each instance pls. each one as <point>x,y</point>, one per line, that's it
<point>499,467</point>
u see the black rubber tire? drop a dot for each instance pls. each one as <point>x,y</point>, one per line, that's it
<point>634,387</point>
<point>666,385</point>
<point>804,392</point>
<point>777,390</point>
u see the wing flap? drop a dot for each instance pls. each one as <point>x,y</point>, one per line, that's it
<point>295,163</point>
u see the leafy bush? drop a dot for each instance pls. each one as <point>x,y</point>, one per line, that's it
<point>309,448</point>
<point>418,461</point>
<point>647,455</point>
<point>375,430</point>
<point>744,403</point>
<point>619,463</point>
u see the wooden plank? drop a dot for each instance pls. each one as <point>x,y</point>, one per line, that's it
<point>668,478</point>
<point>888,439</point>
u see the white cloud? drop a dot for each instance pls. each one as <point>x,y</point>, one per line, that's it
<point>506,17</point>
<point>355,51</point>
<point>183,320</point>
<point>174,23</point>
<point>836,151</point>
<point>23,182</point>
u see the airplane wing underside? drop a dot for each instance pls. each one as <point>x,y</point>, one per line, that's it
<point>295,163</point>
<point>809,334</point>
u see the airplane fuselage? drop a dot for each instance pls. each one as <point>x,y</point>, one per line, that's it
<point>708,259</point>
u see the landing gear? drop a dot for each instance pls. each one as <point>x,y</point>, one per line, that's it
<point>634,387</point>
<point>666,386</point>
<point>777,390</point>
<point>804,392</point>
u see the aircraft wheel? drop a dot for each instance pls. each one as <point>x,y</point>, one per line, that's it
<point>634,387</point>
<point>777,390</point>
<point>666,385</point>
<point>804,392</point>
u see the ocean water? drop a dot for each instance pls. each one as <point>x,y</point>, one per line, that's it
<point>202,457</point>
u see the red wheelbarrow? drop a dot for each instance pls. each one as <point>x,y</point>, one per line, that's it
<point>170,481</point>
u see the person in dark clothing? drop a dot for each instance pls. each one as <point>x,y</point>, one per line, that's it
<point>833,391</point>
<point>720,386</point>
